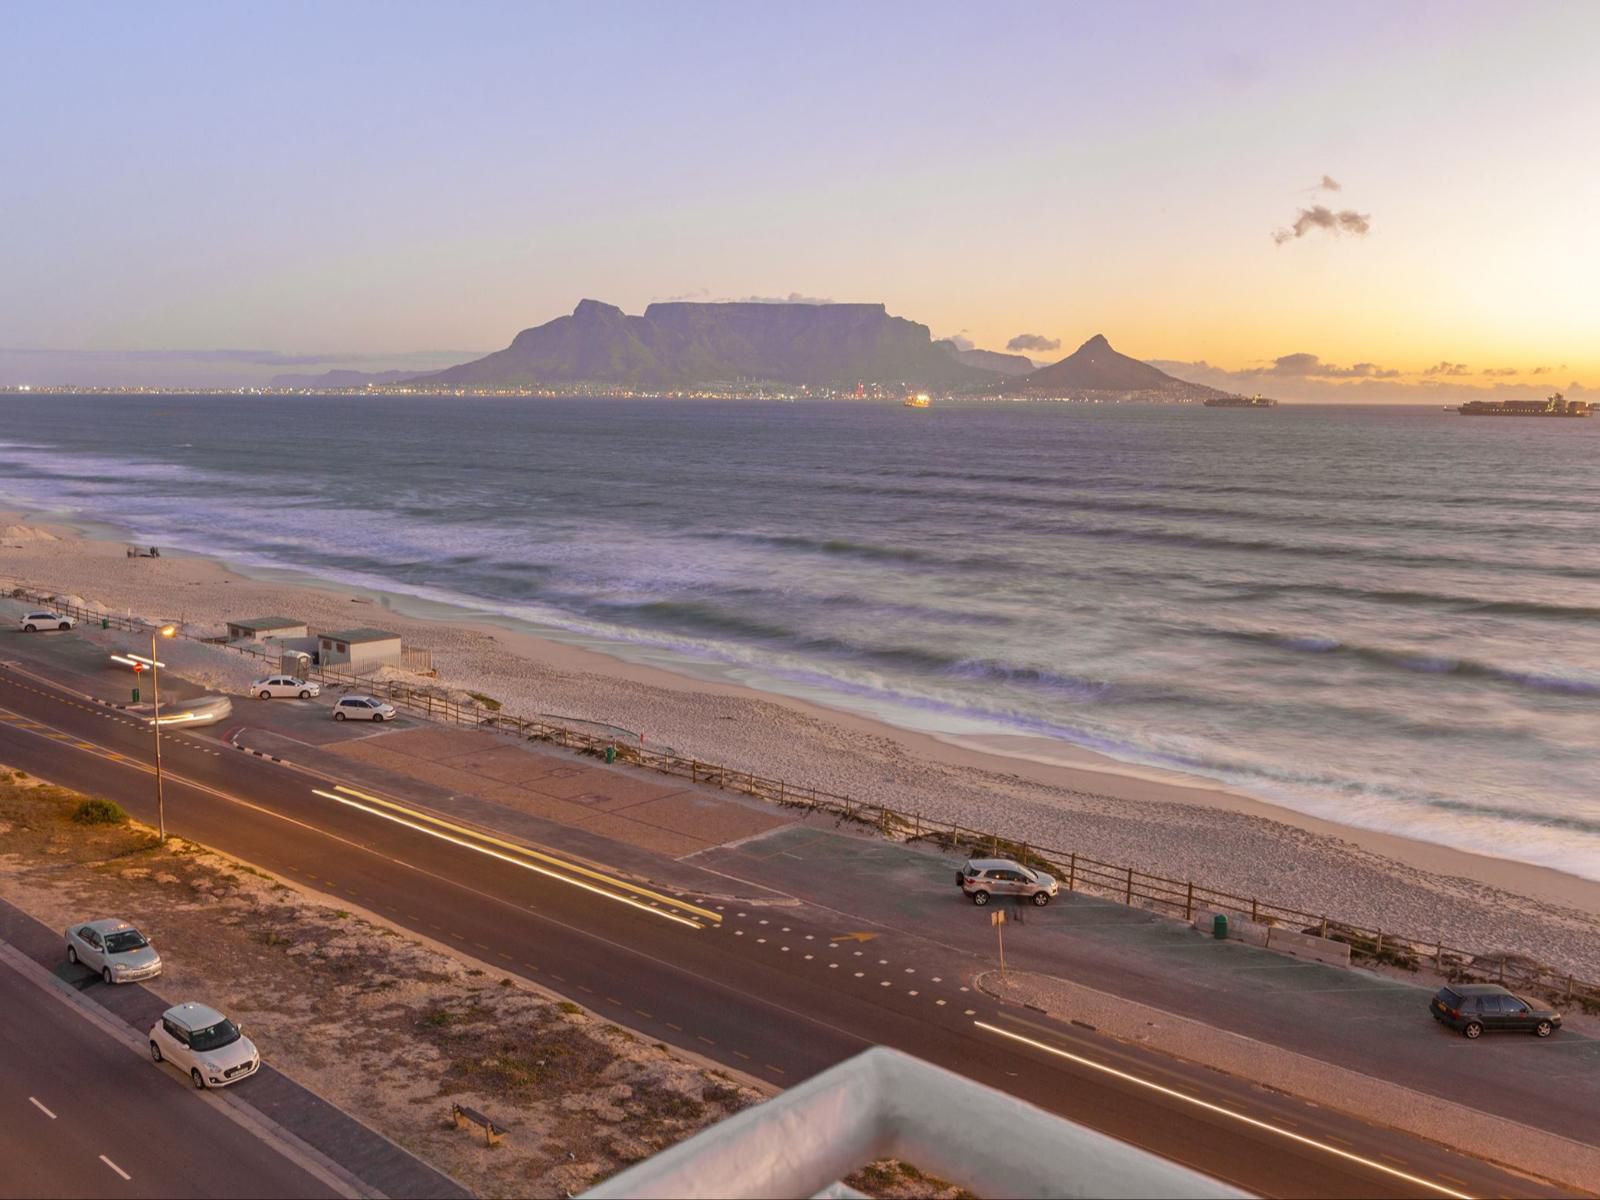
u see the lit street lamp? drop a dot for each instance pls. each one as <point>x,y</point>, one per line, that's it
<point>165,631</point>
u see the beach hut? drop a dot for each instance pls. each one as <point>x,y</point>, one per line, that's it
<point>358,648</point>
<point>258,629</point>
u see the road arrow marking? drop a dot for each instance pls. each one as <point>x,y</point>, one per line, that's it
<point>852,937</point>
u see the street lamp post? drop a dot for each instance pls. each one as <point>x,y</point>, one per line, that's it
<point>165,631</point>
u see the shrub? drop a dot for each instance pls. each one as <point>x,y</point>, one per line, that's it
<point>96,811</point>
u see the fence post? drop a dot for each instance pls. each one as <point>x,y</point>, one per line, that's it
<point>1253,910</point>
<point>1024,853</point>
<point>917,817</point>
<point>1072,873</point>
<point>1377,949</point>
<point>1129,897</point>
<point>1569,989</point>
<point>1188,903</point>
<point>1324,932</point>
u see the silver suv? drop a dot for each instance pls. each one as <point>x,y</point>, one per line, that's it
<point>982,878</point>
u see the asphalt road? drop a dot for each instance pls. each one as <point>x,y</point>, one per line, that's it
<point>766,991</point>
<point>84,1116</point>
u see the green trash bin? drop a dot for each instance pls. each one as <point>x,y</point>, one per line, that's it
<point>105,623</point>
<point>1219,927</point>
<point>611,754</point>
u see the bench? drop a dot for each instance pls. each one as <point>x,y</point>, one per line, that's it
<point>464,1116</point>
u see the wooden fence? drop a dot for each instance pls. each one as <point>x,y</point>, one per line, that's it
<point>1078,872</point>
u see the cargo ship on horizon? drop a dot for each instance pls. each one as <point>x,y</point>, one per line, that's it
<point>1557,406</point>
<point>1240,402</point>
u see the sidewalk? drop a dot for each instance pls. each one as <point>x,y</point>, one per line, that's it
<point>382,1167</point>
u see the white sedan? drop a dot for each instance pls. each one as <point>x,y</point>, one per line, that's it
<point>276,686</point>
<point>114,948</point>
<point>36,621</point>
<point>200,1040</point>
<point>363,708</point>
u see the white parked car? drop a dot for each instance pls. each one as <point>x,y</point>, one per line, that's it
<point>36,621</point>
<point>114,948</point>
<point>274,686</point>
<point>363,708</point>
<point>200,1040</point>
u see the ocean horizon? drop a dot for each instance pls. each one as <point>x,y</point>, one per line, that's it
<point>1383,617</point>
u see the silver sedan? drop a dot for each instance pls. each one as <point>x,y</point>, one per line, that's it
<point>114,948</point>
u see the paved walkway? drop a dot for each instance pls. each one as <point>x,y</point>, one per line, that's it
<point>385,1168</point>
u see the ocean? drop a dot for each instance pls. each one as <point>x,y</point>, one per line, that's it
<point>1388,617</point>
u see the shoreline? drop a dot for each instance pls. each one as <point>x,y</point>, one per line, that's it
<point>1037,789</point>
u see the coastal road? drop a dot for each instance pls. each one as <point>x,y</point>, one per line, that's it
<point>85,1116</point>
<point>775,992</point>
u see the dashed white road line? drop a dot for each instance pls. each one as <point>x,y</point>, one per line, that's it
<point>42,1108</point>
<point>114,1167</point>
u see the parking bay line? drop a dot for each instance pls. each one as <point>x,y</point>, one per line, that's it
<point>115,1168</point>
<point>42,1108</point>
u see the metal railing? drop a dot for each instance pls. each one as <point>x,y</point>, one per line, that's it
<point>1079,872</point>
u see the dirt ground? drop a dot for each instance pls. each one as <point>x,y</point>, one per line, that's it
<point>386,1028</point>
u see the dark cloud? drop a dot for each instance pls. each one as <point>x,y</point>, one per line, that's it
<point>1319,216</point>
<point>1542,370</point>
<point>1329,184</point>
<point>1033,341</point>
<point>1310,366</point>
<point>1447,368</point>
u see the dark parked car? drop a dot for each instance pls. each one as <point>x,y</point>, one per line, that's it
<point>1478,1008</point>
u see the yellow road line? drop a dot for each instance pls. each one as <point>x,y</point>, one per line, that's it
<point>1225,1112</point>
<point>503,857</point>
<point>704,914</point>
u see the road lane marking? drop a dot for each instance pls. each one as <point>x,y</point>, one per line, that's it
<point>490,852</point>
<point>564,864</point>
<point>114,1167</point>
<point>42,1108</point>
<point>1225,1112</point>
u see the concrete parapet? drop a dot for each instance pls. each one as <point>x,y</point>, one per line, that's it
<point>1308,946</point>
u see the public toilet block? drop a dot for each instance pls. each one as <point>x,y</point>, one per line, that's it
<point>260,628</point>
<point>358,648</point>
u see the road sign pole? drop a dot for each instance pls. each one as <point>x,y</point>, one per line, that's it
<point>998,919</point>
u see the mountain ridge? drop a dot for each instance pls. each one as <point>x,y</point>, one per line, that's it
<point>678,343</point>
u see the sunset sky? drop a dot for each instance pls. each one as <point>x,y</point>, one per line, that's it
<point>333,182</point>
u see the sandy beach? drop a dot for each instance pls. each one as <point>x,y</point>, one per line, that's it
<point>1032,789</point>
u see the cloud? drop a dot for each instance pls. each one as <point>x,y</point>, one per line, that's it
<point>961,341</point>
<point>1542,370</point>
<point>791,298</point>
<point>1328,184</point>
<point>1033,341</point>
<point>1310,366</point>
<point>697,294</point>
<point>1447,368</point>
<point>1319,216</point>
<point>1504,371</point>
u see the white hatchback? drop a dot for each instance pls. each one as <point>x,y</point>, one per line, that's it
<point>36,621</point>
<point>276,686</point>
<point>363,708</point>
<point>200,1040</point>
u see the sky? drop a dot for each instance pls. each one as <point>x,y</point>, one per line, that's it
<point>1364,201</point>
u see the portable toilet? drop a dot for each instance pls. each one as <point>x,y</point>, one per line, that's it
<point>296,663</point>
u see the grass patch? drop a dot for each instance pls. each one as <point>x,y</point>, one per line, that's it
<point>568,1007</point>
<point>488,702</point>
<point>97,811</point>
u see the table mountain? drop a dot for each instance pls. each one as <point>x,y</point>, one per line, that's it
<point>679,345</point>
<point>992,360</point>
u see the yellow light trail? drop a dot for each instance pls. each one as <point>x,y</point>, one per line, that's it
<point>559,876</point>
<point>1226,1112</point>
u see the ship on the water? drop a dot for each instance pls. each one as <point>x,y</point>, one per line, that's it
<point>920,400</point>
<point>1240,402</point>
<point>1557,406</point>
